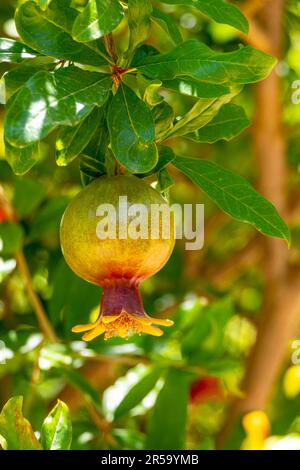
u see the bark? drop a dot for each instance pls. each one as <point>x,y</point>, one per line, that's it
<point>278,322</point>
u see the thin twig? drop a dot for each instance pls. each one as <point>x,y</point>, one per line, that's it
<point>36,303</point>
<point>110,47</point>
<point>38,308</point>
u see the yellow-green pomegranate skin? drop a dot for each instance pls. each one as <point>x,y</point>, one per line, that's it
<point>108,261</point>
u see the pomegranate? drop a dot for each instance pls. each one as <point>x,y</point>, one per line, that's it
<point>118,264</point>
<point>205,389</point>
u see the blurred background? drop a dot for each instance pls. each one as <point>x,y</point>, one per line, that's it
<point>235,303</point>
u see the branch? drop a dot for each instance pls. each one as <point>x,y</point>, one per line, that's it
<point>280,317</point>
<point>36,303</point>
<point>257,36</point>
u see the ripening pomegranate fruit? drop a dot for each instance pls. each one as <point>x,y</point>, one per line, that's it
<point>119,263</point>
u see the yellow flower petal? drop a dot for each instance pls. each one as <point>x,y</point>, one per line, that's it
<point>87,327</point>
<point>110,318</point>
<point>94,333</point>
<point>151,330</point>
<point>162,321</point>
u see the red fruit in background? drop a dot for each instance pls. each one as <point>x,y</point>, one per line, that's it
<point>204,389</point>
<point>118,265</point>
<point>2,215</point>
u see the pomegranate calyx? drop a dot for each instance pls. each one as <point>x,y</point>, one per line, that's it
<point>123,325</point>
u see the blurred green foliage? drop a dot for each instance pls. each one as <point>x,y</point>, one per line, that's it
<point>137,394</point>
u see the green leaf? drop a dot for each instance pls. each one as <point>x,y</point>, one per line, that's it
<point>14,51</point>
<point>139,22</point>
<point>234,195</point>
<point>149,90</point>
<point>28,195</point>
<point>230,121</point>
<point>90,169</point>
<point>68,307</point>
<point>98,18</point>
<point>14,79</point>
<point>138,392</point>
<point>11,238</point>
<point>198,61</point>
<point>83,386</point>
<point>22,159</point>
<point>15,429</point>
<point>167,425</point>
<point>219,10</point>
<point>132,131</point>
<point>166,156</point>
<point>49,99</point>
<point>47,221</point>
<point>94,158</point>
<point>169,26</point>
<point>71,141</point>
<point>56,432</point>
<point>44,4</point>
<point>165,181</point>
<point>197,89</point>
<point>209,323</point>
<point>142,52</point>
<point>201,113</point>
<point>163,116</point>
<point>47,32</point>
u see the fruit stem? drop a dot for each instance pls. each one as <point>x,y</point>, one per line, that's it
<point>121,296</point>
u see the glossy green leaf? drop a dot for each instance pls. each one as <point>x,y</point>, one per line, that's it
<point>71,141</point>
<point>167,425</point>
<point>90,169</point>
<point>149,90</point>
<point>138,392</point>
<point>132,131</point>
<point>164,181</point>
<point>139,22</point>
<point>22,159</point>
<point>164,117</point>
<point>230,121</point>
<point>93,161</point>
<point>14,51</point>
<point>166,156</point>
<point>201,113</point>
<point>234,195</point>
<point>195,88</point>
<point>11,238</point>
<point>56,432</point>
<point>44,4</point>
<point>48,32</point>
<point>49,99</point>
<point>219,10</point>
<point>196,60</point>
<point>97,147</point>
<point>16,429</point>
<point>142,52</point>
<point>15,78</point>
<point>28,195</point>
<point>167,24</point>
<point>98,18</point>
